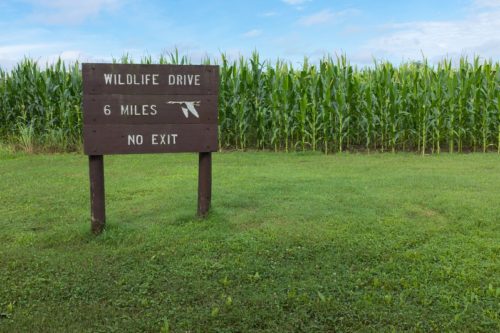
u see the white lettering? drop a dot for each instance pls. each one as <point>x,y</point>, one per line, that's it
<point>135,113</point>
<point>163,139</point>
<point>124,110</point>
<point>108,78</point>
<point>151,79</point>
<point>154,111</point>
<point>136,110</point>
<point>135,140</point>
<point>132,79</point>
<point>107,110</point>
<point>184,80</point>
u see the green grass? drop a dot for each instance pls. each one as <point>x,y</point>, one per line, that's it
<point>295,242</point>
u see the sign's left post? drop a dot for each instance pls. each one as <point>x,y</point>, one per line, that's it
<point>97,202</point>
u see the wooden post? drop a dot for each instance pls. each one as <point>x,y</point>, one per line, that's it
<point>204,183</point>
<point>97,204</point>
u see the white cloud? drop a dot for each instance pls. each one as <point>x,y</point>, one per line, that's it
<point>295,2</point>
<point>487,3</point>
<point>43,53</point>
<point>19,50</point>
<point>253,33</point>
<point>269,14</point>
<point>478,33</point>
<point>70,55</point>
<point>326,16</point>
<point>70,12</point>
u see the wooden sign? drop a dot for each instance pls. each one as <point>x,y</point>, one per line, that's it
<point>130,109</point>
<point>134,109</point>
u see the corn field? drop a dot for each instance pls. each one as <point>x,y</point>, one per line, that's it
<point>330,106</point>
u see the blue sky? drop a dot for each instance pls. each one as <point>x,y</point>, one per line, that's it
<point>97,30</point>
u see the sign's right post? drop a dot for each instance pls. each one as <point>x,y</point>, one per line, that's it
<point>204,183</point>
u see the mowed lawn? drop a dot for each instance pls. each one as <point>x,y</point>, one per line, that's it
<point>295,242</point>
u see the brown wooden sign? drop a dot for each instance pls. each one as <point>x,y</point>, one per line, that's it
<point>125,102</point>
<point>134,109</point>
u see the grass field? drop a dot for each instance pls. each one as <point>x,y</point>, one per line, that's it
<point>295,242</point>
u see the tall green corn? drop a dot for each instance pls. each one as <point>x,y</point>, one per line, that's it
<point>330,106</point>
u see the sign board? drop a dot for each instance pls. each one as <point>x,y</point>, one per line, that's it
<point>131,109</point>
<point>136,109</point>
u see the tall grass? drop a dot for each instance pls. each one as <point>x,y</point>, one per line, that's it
<point>330,106</point>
